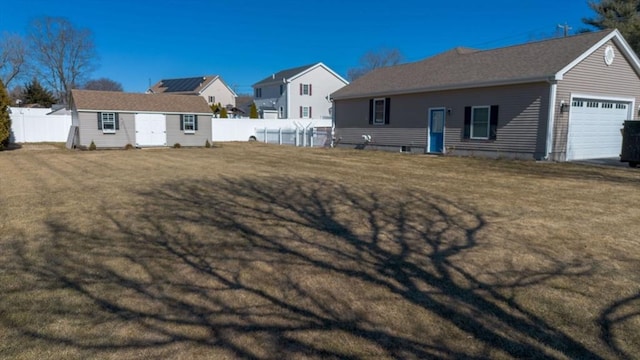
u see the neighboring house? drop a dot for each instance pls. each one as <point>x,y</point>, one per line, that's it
<point>115,119</point>
<point>302,92</point>
<point>212,88</point>
<point>560,99</point>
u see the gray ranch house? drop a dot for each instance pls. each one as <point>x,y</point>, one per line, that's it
<point>116,119</point>
<point>560,99</point>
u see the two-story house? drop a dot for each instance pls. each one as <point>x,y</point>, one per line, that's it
<point>301,92</point>
<point>212,88</point>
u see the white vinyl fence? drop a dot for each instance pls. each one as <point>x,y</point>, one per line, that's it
<point>297,132</point>
<point>34,125</point>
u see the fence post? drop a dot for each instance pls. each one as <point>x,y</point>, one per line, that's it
<point>265,135</point>
<point>311,133</point>
<point>279,136</point>
<point>304,137</point>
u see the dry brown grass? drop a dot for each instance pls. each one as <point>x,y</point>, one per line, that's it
<point>266,252</point>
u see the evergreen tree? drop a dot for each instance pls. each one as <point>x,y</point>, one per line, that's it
<point>223,113</point>
<point>5,119</point>
<point>253,112</point>
<point>34,93</point>
<point>623,15</point>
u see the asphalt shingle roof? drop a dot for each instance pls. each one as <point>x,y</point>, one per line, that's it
<point>191,85</point>
<point>284,74</point>
<point>463,67</point>
<point>136,102</point>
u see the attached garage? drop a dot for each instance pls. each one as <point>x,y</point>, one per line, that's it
<point>594,127</point>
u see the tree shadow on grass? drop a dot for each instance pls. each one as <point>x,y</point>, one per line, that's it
<point>278,267</point>
<point>616,315</point>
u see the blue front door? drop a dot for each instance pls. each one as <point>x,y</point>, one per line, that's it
<point>436,130</point>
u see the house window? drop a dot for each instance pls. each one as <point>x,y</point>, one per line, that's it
<point>108,123</point>
<point>621,106</point>
<point>212,99</point>
<point>305,89</point>
<point>258,92</point>
<point>577,103</point>
<point>305,112</point>
<point>480,122</point>
<point>593,104</point>
<point>189,123</point>
<point>378,111</point>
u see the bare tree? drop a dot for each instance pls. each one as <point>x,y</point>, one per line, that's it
<point>103,84</point>
<point>373,60</point>
<point>65,54</point>
<point>13,57</point>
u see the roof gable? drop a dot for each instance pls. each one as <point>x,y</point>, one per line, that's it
<point>191,85</point>
<point>283,75</point>
<point>91,100</point>
<point>464,68</point>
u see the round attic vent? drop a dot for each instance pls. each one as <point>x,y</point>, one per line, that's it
<point>609,55</point>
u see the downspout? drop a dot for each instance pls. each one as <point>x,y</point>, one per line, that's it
<point>553,93</point>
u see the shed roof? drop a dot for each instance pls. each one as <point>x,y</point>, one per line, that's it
<point>464,67</point>
<point>136,102</point>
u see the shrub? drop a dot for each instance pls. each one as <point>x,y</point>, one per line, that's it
<point>128,147</point>
<point>207,144</point>
<point>5,119</point>
<point>177,146</point>
<point>92,146</point>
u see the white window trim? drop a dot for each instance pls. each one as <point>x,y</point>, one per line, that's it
<point>102,118</point>
<point>473,108</point>
<point>384,111</point>
<point>193,122</point>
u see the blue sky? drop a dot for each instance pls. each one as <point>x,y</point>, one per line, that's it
<point>244,41</point>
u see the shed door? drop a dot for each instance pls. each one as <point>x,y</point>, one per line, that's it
<point>594,128</point>
<point>151,130</point>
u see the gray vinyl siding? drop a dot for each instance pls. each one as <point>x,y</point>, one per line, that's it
<point>521,130</point>
<point>593,77</point>
<point>175,135</point>
<point>88,131</point>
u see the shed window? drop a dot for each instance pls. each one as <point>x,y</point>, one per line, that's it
<point>108,122</point>
<point>189,123</point>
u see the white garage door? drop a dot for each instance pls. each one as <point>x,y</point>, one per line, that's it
<point>594,128</point>
<point>151,130</point>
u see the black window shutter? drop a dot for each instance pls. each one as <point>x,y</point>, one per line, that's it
<point>117,120</point>
<point>493,123</point>
<point>181,122</point>
<point>311,116</point>
<point>371,111</point>
<point>195,122</point>
<point>387,107</point>
<point>309,89</point>
<point>99,121</point>
<point>467,122</point>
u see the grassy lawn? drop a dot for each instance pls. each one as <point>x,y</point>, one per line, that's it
<point>271,252</point>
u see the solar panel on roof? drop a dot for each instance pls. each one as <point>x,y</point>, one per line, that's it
<point>180,85</point>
